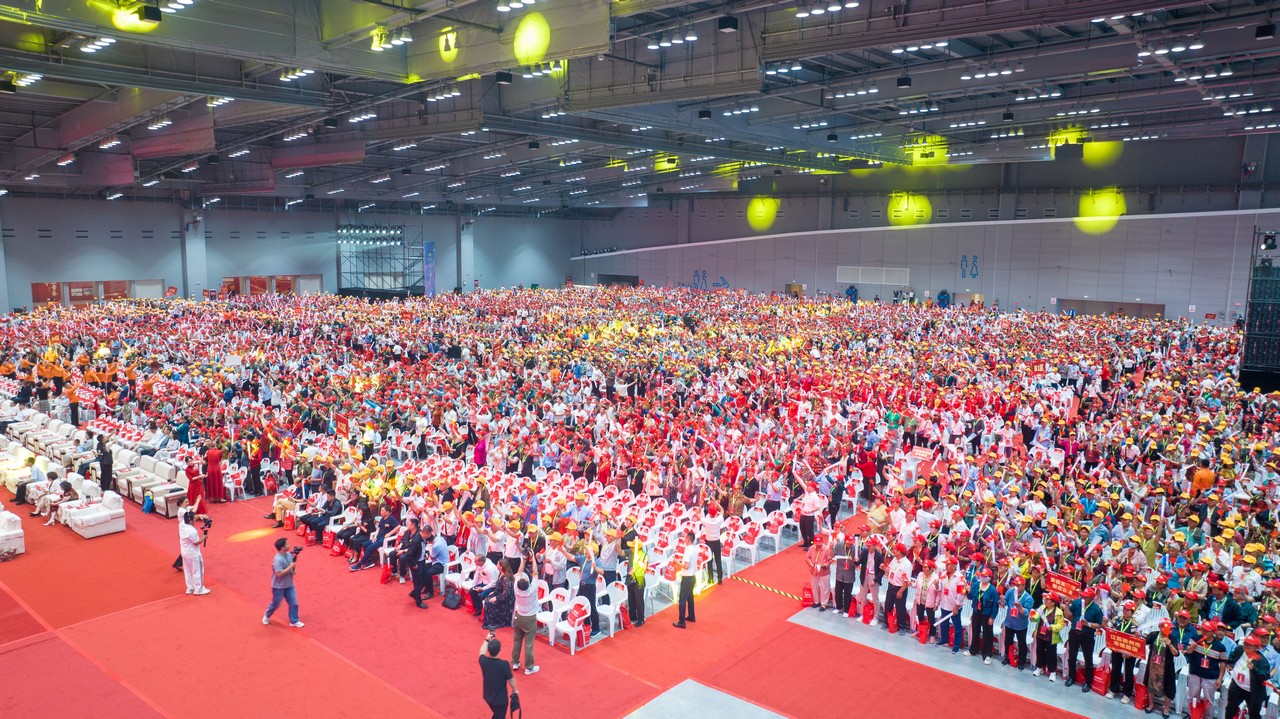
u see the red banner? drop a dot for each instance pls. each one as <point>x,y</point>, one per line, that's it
<point>1062,585</point>
<point>42,292</point>
<point>1039,367</point>
<point>171,291</point>
<point>1210,315</point>
<point>284,284</point>
<point>115,289</point>
<point>258,285</point>
<point>342,425</point>
<point>1130,644</point>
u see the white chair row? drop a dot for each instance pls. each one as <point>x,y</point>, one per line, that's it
<point>136,475</point>
<point>12,538</point>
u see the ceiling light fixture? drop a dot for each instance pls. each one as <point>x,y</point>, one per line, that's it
<point>160,122</point>
<point>295,173</point>
<point>109,142</point>
<point>92,45</point>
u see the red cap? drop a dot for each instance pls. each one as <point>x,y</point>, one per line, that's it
<point>1252,641</point>
<point>1183,614</point>
<point>1088,593</point>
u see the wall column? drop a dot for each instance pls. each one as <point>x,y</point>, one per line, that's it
<point>467,254</point>
<point>195,265</point>
<point>1255,151</point>
<point>826,207</point>
<point>4,269</point>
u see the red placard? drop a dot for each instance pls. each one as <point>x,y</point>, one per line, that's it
<point>257,285</point>
<point>1130,644</point>
<point>115,289</point>
<point>43,292</point>
<point>1039,367</point>
<point>342,425</point>
<point>1210,315</point>
<point>171,291</point>
<point>284,284</point>
<point>230,285</point>
<point>1062,585</point>
<point>924,454</point>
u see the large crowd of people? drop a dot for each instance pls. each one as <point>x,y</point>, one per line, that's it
<point>1052,478</point>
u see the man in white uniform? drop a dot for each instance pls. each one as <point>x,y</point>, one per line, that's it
<point>190,540</point>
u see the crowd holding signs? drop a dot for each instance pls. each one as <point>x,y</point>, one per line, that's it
<point>1053,477</point>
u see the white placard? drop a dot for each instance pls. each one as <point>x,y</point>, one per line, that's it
<point>1053,300</point>
<point>1191,308</point>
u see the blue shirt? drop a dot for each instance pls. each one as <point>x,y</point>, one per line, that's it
<point>439,551</point>
<point>985,601</point>
<point>1023,602</point>
<point>279,563</point>
<point>385,525</point>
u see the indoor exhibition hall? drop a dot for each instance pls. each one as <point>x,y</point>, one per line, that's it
<point>658,359</point>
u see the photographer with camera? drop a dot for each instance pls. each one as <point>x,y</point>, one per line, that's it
<point>283,567</point>
<point>190,540</point>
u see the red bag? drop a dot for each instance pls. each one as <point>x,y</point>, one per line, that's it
<point>339,550</point>
<point>576,614</point>
<point>625,615</point>
<point>1198,709</point>
<point>386,573</point>
<point>891,621</point>
<point>1141,698</point>
<point>922,631</point>
<point>302,529</point>
<point>290,522</point>
<point>269,485</point>
<point>1012,655</point>
<point>328,538</point>
<point>1102,680</point>
<point>868,613</point>
<point>806,597</point>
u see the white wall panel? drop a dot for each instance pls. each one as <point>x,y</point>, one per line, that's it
<point>1173,260</point>
<point>73,240</point>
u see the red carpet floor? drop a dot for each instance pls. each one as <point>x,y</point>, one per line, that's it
<point>814,675</point>
<point>48,678</point>
<point>114,607</point>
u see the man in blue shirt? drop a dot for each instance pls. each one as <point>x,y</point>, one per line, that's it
<point>283,567</point>
<point>435,559</point>
<point>1086,619</point>
<point>369,556</point>
<point>1018,604</point>
<point>986,605</point>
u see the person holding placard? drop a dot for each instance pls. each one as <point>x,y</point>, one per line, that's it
<point>1122,664</point>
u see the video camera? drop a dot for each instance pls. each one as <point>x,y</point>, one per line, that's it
<point>296,550</point>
